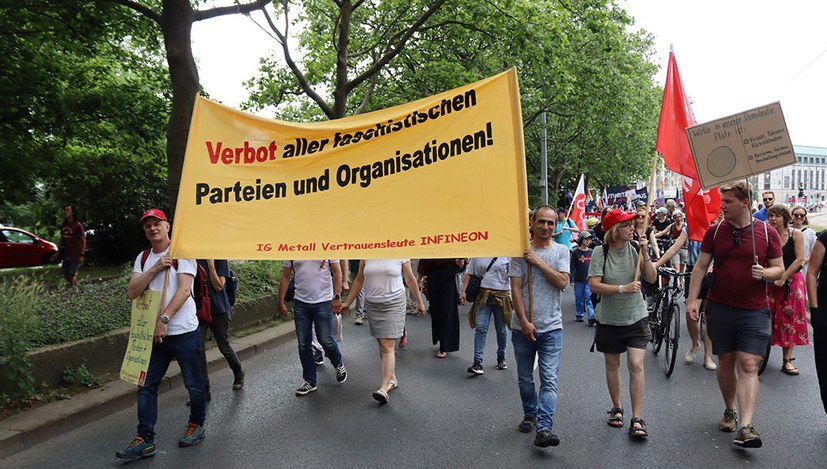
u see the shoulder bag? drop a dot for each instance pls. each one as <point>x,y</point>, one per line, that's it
<point>474,285</point>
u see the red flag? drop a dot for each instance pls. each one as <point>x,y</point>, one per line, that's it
<point>675,116</point>
<point>578,206</point>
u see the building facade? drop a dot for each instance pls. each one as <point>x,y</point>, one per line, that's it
<point>803,183</point>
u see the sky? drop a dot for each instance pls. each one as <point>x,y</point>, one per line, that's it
<point>733,55</point>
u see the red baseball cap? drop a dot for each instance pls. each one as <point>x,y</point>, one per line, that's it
<point>154,212</point>
<point>616,216</point>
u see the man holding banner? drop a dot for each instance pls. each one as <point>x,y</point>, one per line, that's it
<point>538,323</point>
<point>176,335</point>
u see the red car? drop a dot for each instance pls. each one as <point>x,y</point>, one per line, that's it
<point>19,248</point>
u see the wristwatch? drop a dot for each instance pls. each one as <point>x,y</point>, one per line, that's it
<point>337,297</point>
<point>165,319</point>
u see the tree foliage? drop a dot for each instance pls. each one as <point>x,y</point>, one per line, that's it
<point>83,111</point>
<point>576,60</point>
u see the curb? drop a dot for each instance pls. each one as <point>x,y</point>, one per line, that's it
<point>28,428</point>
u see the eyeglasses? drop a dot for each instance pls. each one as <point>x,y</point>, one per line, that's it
<point>641,217</point>
<point>768,199</point>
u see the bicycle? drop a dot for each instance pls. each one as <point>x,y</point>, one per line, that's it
<point>665,316</point>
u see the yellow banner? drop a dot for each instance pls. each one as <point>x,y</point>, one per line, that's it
<point>139,349</point>
<point>436,178</point>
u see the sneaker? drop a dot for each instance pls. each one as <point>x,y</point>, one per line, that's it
<point>341,373</point>
<point>545,438</point>
<point>579,318</point>
<point>710,365</point>
<point>729,422</point>
<point>501,363</point>
<point>476,368</point>
<point>359,320</point>
<point>592,321</point>
<point>238,381</point>
<point>305,388</point>
<point>318,356</point>
<point>192,435</point>
<point>527,424</point>
<point>139,448</point>
<point>747,438</point>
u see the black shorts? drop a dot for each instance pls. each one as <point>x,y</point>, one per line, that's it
<point>69,267</point>
<point>738,330</point>
<point>616,339</point>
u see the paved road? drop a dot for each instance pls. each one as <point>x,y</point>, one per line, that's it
<point>442,417</point>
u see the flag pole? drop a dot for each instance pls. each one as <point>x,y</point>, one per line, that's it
<point>646,219</point>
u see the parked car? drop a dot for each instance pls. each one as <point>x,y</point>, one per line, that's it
<point>19,248</point>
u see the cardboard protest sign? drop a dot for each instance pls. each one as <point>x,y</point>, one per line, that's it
<point>440,177</point>
<point>740,145</point>
<point>139,348</point>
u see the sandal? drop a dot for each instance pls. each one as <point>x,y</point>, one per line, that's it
<point>393,385</point>
<point>441,354</point>
<point>381,396</point>
<point>638,431</point>
<point>791,370</point>
<point>615,417</point>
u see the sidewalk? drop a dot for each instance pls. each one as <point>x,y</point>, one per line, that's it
<point>26,429</point>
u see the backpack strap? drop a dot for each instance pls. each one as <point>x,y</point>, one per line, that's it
<point>145,256</point>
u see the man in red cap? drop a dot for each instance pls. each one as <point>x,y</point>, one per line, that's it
<point>176,336</point>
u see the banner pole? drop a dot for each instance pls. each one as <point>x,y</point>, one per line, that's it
<point>646,218</point>
<point>164,291</point>
<point>530,295</point>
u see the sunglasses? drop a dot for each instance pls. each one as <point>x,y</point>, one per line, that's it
<point>799,215</point>
<point>768,199</point>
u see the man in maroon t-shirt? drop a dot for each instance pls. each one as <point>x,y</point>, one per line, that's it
<point>738,316</point>
<point>73,243</point>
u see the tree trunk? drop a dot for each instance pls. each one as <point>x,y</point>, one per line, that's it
<point>340,92</point>
<point>176,24</point>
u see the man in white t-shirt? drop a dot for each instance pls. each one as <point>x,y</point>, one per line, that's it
<point>176,336</point>
<point>317,298</point>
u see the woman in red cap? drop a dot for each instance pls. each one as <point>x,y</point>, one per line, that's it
<point>622,317</point>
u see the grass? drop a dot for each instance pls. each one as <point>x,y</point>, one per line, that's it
<point>50,274</point>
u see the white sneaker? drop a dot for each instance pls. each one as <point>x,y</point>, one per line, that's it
<point>690,356</point>
<point>710,365</point>
<point>358,321</point>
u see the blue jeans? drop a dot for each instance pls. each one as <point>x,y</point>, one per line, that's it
<point>549,347</point>
<point>582,294</point>
<point>186,349</point>
<point>305,316</point>
<point>483,319</point>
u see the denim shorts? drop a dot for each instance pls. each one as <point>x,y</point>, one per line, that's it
<point>70,265</point>
<point>738,330</point>
<point>616,339</point>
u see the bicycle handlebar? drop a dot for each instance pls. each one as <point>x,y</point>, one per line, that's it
<point>672,272</point>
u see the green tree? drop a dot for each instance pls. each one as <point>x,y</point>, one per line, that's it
<point>576,61</point>
<point>174,18</point>
<point>82,117</point>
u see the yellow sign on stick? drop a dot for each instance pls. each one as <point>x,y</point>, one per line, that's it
<point>440,177</point>
<point>139,348</point>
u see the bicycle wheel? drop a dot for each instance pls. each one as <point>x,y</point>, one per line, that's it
<point>763,364</point>
<point>672,328</point>
<point>660,323</point>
